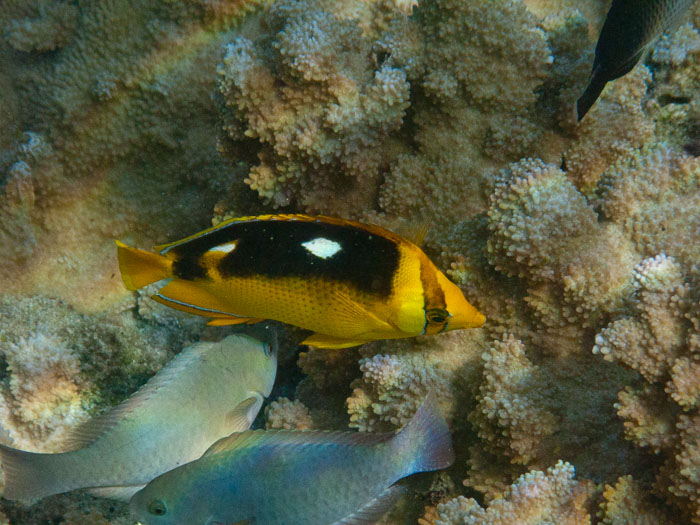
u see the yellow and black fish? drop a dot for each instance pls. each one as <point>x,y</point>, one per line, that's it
<point>349,282</point>
<point>631,28</point>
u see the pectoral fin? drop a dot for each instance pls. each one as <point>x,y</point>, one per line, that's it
<point>241,417</point>
<point>329,341</point>
<point>355,319</point>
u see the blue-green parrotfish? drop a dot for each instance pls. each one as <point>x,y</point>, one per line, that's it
<point>630,29</point>
<point>206,392</point>
<point>297,477</point>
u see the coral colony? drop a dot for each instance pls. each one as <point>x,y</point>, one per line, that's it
<point>579,399</point>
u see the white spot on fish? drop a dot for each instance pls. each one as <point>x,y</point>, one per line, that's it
<point>322,247</point>
<point>225,248</point>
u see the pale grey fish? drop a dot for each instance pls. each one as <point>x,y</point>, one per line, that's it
<point>297,477</point>
<point>206,392</point>
<point>630,29</point>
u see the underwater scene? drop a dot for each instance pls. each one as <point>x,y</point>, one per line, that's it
<point>314,262</point>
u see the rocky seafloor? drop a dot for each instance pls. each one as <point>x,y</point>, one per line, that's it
<point>147,120</point>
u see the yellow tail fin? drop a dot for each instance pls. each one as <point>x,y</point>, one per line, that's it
<point>139,267</point>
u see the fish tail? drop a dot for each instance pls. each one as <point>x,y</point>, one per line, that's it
<point>427,438</point>
<point>140,268</point>
<point>31,476</point>
<point>590,95</point>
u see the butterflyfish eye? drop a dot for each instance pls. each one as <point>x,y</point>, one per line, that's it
<point>157,508</point>
<point>437,315</point>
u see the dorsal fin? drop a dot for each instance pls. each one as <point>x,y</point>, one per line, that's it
<point>295,438</point>
<point>163,249</point>
<point>415,230</point>
<point>91,430</point>
<point>373,510</point>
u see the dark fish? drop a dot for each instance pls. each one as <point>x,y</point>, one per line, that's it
<point>630,29</point>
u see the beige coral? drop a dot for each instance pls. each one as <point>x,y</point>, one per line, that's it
<point>530,414</point>
<point>510,415</point>
<point>42,400</point>
<point>322,112</point>
<point>614,128</point>
<point>628,502</point>
<point>543,230</point>
<point>289,415</point>
<point>648,420</point>
<point>658,340</point>
<point>393,385</point>
<point>46,26</point>
<point>537,497</point>
<point>478,114</point>
<point>651,341</point>
<point>679,478</point>
<point>654,195</point>
<point>123,116</point>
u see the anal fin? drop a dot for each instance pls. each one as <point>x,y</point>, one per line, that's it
<point>329,341</point>
<point>226,321</point>
<point>192,298</point>
<point>372,511</point>
<point>120,493</point>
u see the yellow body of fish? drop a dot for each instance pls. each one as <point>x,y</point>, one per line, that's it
<point>349,282</point>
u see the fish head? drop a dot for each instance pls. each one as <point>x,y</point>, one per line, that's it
<point>255,352</point>
<point>457,314</point>
<point>437,306</point>
<point>173,498</point>
<point>151,506</point>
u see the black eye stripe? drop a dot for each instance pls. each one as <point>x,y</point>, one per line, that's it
<point>437,315</point>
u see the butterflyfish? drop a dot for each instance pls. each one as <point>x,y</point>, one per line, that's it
<point>297,477</point>
<point>631,27</point>
<point>206,392</point>
<point>348,282</point>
